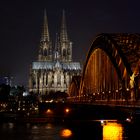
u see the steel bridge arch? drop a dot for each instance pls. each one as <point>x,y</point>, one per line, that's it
<point>73,89</point>
<point>121,47</point>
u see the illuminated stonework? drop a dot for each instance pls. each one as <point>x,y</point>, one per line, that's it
<point>54,69</point>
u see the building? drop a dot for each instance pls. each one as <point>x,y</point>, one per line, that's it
<point>7,80</point>
<point>54,69</point>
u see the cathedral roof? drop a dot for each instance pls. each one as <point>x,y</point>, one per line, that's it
<point>56,64</point>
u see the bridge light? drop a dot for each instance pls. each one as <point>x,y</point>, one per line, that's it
<point>127,89</point>
<point>49,111</point>
<point>67,110</point>
<point>102,122</point>
<point>128,119</point>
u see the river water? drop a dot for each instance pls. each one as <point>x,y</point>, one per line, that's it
<point>78,130</point>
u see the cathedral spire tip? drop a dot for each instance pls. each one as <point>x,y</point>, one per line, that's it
<point>45,32</point>
<point>64,35</point>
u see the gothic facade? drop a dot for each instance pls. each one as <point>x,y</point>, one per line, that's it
<point>54,69</point>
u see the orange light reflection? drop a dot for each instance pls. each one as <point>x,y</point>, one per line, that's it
<point>49,111</point>
<point>66,133</point>
<point>112,131</point>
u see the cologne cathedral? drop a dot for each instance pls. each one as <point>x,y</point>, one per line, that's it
<point>54,69</point>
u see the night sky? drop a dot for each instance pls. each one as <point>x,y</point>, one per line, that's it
<point>21,25</point>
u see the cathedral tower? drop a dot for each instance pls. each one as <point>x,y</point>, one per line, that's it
<point>57,55</point>
<point>54,69</point>
<point>45,50</point>
<point>66,45</point>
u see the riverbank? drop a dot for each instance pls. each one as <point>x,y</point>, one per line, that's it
<point>60,112</point>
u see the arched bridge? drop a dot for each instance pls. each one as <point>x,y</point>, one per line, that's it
<point>111,70</point>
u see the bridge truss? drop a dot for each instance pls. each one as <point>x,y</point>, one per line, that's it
<point>111,70</point>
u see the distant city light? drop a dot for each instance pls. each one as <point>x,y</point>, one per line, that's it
<point>25,93</point>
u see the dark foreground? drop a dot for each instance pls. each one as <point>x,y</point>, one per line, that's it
<point>73,122</point>
<point>92,130</point>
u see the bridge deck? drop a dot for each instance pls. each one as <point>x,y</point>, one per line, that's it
<point>122,103</point>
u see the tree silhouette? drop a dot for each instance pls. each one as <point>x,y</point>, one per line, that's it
<point>4,92</point>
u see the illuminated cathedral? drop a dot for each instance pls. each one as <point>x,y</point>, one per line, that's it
<point>54,69</point>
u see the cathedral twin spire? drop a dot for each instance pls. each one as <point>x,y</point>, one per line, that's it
<point>63,33</point>
<point>45,50</point>
<point>45,33</point>
<point>63,47</point>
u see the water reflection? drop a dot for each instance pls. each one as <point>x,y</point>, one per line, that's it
<point>66,133</point>
<point>112,131</point>
<point>95,130</point>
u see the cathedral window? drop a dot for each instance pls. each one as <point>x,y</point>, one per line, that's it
<point>33,81</point>
<point>58,78</point>
<point>46,79</point>
<point>64,52</point>
<point>68,51</point>
<point>45,52</point>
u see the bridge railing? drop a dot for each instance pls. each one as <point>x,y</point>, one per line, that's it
<point>130,103</point>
